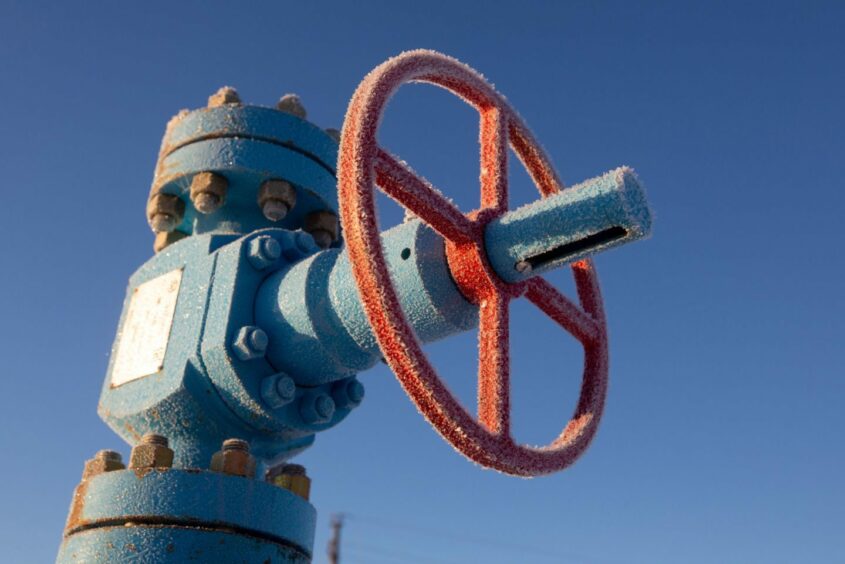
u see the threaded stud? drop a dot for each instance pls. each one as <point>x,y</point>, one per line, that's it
<point>231,445</point>
<point>153,439</point>
<point>291,104</point>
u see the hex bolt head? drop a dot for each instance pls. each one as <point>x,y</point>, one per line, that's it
<point>276,198</point>
<point>225,96</point>
<point>151,452</point>
<point>305,243</point>
<point>291,104</point>
<point>263,251</point>
<point>278,390</point>
<point>250,342</point>
<point>234,459</point>
<point>208,191</point>
<point>348,393</point>
<point>317,408</point>
<point>291,477</point>
<point>324,406</point>
<point>103,461</point>
<point>333,133</point>
<point>165,212</point>
<point>323,226</point>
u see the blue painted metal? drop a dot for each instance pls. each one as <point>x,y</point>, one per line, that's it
<point>268,335</point>
<point>170,515</point>
<point>561,228</point>
<point>247,145</point>
<point>176,545</point>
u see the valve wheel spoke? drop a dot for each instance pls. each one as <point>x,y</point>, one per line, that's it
<point>494,365</point>
<point>561,309</point>
<point>397,180</point>
<point>494,160</point>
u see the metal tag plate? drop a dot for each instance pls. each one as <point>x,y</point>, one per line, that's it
<point>145,333</point>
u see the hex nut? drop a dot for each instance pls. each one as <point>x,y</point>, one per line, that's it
<point>263,251</point>
<point>291,104</point>
<point>348,393</point>
<point>305,243</point>
<point>103,461</point>
<point>165,212</point>
<point>208,191</point>
<point>291,477</point>
<point>323,226</point>
<point>165,239</point>
<point>278,390</point>
<point>234,459</point>
<point>225,96</point>
<point>152,452</point>
<point>316,408</point>
<point>250,342</point>
<point>298,245</point>
<point>276,198</point>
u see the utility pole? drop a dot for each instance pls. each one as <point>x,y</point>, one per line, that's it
<point>334,542</point>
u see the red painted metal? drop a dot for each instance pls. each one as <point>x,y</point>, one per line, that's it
<point>363,164</point>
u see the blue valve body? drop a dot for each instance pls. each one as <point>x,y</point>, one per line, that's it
<point>245,329</point>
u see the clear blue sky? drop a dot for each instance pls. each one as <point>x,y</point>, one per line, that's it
<point>723,439</point>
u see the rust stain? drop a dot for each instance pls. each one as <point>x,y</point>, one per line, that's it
<point>131,430</point>
<point>140,473</point>
<point>77,507</point>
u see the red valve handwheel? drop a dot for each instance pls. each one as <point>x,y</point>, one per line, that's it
<point>363,164</point>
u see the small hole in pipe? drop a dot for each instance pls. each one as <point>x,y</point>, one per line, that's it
<point>405,254</point>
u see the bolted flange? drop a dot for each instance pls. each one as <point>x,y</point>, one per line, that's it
<point>263,251</point>
<point>276,198</point>
<point>322,225</point>
<point>234,459</point>
<point>278,390</point>
<point>152,452</point>
<point>208,191</point>
<point>291,104</point>
<point>103,461</point>
<point>316,408</point>
<point>165,212</point>
<point>291,477</point>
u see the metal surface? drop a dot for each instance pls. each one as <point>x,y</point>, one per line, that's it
<point>362,165</point>
<point>248,327</point>
<point>172,515</point>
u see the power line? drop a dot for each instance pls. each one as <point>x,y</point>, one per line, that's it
<point>473,540</point>
<point>365,549</point>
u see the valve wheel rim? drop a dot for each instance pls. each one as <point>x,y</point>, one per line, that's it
<point>363,164</point>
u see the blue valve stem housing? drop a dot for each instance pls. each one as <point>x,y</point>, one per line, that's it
<point>328,326</point>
